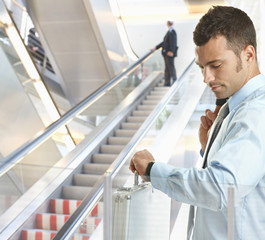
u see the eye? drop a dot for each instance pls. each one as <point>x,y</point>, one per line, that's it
<point>216,66</point>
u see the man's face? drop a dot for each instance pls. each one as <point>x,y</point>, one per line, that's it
<point>223,71</point>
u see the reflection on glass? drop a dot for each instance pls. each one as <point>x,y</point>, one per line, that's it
<point>29,116</point>
<point>89,119</point>
<point>125,213</point>
<point>24,98</point>
<point>92,225</point>
<point>18,180</point>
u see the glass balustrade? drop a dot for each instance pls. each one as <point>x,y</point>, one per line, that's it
<point>139,211</point>
<point>23,123</point>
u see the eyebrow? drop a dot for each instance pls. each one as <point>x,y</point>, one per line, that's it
<point>209,63</point>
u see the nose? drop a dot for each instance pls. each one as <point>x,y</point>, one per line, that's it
<point>208,75</point>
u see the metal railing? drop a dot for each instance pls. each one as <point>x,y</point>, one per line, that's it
<point>95,195</point>
<point>29,146</point>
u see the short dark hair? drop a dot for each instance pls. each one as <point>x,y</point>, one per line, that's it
<point>170,23</point>
<point>232,23</point>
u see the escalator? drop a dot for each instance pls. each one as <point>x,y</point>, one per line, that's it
<point>27,172</point>
<point>51,186</point>
<point>84,180</point>
<point>77,180</point>
<point>84,177</point>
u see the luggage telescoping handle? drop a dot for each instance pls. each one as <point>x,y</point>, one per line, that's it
<point>136,178</point>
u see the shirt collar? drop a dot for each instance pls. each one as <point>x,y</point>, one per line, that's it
<point>170,28</point>
<point>251,86</point>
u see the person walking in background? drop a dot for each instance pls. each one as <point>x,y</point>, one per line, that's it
<point>169,52</point>
<point>234,156</point>
<point>35,47</point>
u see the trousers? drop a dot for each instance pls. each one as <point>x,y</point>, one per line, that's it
<point>170,71</point>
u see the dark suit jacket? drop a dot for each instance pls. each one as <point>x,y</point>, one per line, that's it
<point>169,43</point>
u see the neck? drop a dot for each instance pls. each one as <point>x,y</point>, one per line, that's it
<point>254,71</point>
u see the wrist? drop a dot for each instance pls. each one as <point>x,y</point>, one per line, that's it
<point>148,170</point>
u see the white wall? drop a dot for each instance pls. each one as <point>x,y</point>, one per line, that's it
<point>255,9</point>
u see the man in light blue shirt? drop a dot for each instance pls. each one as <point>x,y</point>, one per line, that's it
<point>225,41</point>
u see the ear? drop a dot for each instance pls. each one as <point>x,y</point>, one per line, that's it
<point>249,53</point>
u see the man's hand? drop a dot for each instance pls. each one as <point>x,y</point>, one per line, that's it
<point>170,54</point>
<point>206,123</point>
<point>140,161</point>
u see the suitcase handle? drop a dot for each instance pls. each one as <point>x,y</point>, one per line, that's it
<point>136,178</point>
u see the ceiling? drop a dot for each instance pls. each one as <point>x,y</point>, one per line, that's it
<point>201,6</point>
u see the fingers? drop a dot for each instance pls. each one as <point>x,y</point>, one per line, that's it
<point>132,167</point>
<point>140,161</point>
<point>212,115</point>
<point>206,123</point>
<point>217,108</point>
<point>208,119</point>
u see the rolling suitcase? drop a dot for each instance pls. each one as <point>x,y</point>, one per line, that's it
<point>140,213</point>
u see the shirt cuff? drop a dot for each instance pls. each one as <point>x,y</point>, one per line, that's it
<point>159,175</point>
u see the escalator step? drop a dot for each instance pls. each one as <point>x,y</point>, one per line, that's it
<point>118,140</point>
<point>148,108</point>
<point>136,118</point>
<point>75,192</point>
<point>100,169</point>
<point>112,149</point>
<point>104,158</point>
<point>130,125</point>
<point>161,89</point>
<point>68,206</point>
<point>150,102</point>
<point>94,168</point>
<point>63,206</point>
<point>154,97</point>
<point>157,93</point>
<point>139,113</point>
<point>85,180</point>
<point>124,133</point>
<point>54,222</point>
<point>37,234</point>
<point>90,180</point>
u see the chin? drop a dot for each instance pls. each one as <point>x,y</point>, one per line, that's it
<point>220,95</point>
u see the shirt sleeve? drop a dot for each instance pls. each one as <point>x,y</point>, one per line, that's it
<point>188,185</point>
<point>236,159</point>
<point>159,45</point>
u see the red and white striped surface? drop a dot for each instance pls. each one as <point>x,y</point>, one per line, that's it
<point>32,234</point>
<point>36,234</point>
<point>54,222</point>
<point>60,210</point>
<point>64,206</point>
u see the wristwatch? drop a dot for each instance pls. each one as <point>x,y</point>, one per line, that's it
<point>148,170</point>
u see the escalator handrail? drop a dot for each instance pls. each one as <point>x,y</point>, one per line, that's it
<point>88,203</point>
<point>37,140</point>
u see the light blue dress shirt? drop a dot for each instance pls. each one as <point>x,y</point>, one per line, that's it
<point>236,158</point>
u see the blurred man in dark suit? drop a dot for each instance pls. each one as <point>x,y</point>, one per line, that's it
<point>169,52</point>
